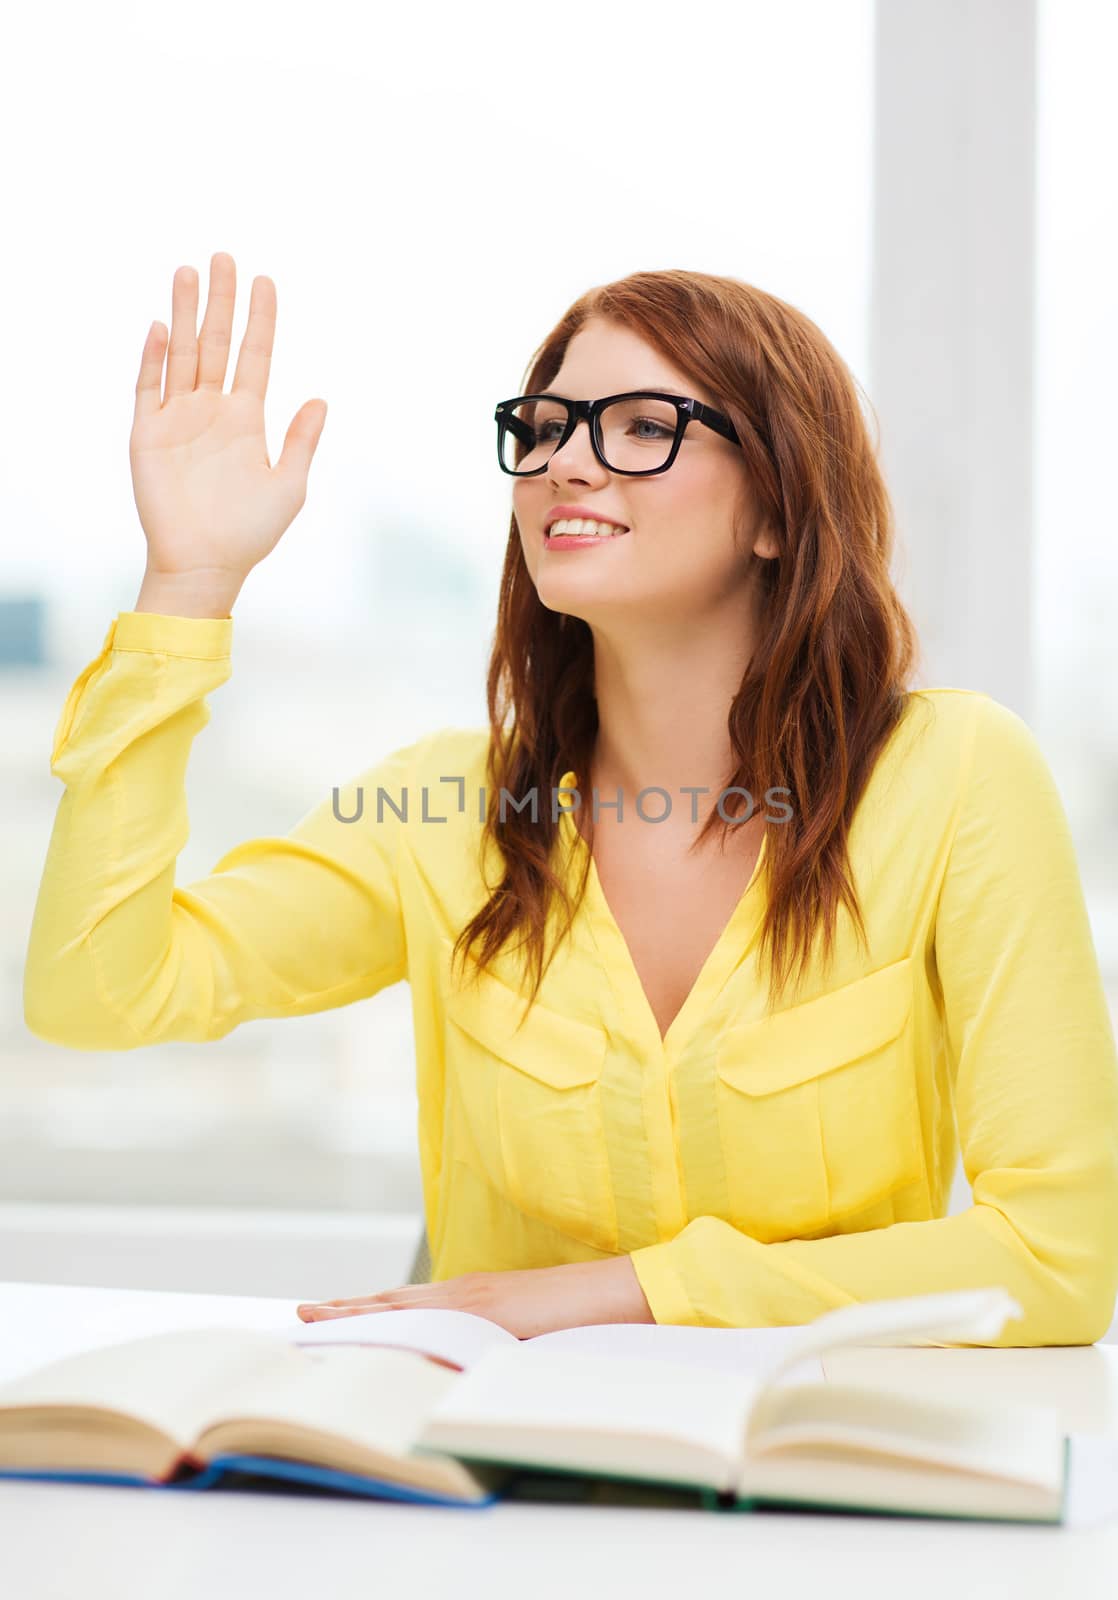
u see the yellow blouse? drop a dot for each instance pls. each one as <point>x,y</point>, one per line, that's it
<point>759,1170</point>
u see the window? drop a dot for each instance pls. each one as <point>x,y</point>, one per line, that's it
<point>1076,567</point>
<point>359,166</point>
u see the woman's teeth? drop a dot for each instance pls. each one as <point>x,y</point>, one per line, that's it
<point>577,527</point>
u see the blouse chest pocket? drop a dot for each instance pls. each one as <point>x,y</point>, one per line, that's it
<point>528,1093</point>
<point>817,1107</point>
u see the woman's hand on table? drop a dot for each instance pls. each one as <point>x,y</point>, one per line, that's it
<point>526,1302</point>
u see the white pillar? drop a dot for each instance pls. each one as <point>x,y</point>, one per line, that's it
<point>951,329</point>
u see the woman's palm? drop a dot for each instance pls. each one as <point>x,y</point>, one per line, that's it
<point>207,495</point>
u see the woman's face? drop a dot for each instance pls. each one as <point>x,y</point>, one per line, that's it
<point>679,560</point>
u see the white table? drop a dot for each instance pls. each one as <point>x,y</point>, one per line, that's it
<point>74,1540</point>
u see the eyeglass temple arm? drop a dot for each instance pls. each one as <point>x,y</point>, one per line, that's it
<point>714,419</point>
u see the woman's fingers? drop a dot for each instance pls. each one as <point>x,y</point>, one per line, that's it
<point>217,326</point>
<point>255,358</point>
<point>410,1290</point>
<point>182,353</point>
<point>329,1313</point>
<point>149,384</point>
<point>412,1294</point>
<point>301,440</point>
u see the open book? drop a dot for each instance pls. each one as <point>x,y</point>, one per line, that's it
<point>461,1412</point>
<point>335,1404</point>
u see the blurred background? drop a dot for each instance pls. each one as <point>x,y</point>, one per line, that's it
<point>429,188</point>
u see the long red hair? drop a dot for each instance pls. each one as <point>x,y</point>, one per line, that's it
<point>827,683</point>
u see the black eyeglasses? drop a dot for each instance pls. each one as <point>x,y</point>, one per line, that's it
<point>634,434</point>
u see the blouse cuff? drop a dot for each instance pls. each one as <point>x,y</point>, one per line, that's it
<point>203,638</point>
<point>663,1287</point>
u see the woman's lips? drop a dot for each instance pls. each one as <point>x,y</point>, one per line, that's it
<point>576,541</point>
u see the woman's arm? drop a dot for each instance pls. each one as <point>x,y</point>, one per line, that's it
<point>118,956</point>
<point>1035,1075</point>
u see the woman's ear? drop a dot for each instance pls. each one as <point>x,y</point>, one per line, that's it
<point>765,545</point>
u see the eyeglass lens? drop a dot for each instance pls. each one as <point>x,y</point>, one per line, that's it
<point>636,434</point>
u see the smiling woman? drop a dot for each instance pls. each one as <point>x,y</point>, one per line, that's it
<point>635,1102</point>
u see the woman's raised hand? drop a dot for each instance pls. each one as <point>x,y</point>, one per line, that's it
<point>210,502</point>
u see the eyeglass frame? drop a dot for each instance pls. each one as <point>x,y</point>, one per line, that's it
<point>589,411</point>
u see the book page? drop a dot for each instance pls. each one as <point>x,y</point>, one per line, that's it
<point>458,1338</point>
<point>584,1409</point>
<point>833,1479</point>
<point>1022,1444</point>
<point>376,1398</point>
<point>754,1352</point>
<point>173,1382</point>
<point>47,1322</point>
<point>967,1316</point>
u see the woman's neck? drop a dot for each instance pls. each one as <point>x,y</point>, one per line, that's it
<point>663,709</point>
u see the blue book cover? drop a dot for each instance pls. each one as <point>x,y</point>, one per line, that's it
<point>245,1471</point>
